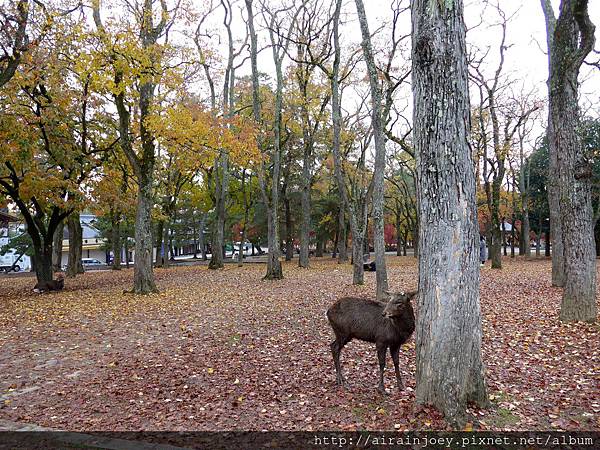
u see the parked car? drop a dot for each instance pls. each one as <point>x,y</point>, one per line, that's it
<point>91,262</point>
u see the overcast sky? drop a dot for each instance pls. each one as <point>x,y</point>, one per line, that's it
<point>525,58</point>
<point>526,39</point>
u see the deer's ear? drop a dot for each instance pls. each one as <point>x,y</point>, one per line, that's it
<point>412,294</point>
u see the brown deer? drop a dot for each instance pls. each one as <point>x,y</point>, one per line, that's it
<point>388,325</point>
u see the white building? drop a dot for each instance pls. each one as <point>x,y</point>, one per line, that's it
<point>93,244</point>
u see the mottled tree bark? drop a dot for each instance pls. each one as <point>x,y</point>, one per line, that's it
<point>570,40</point>
<point>448,340</point>
<point>143,274</point>
<point>597,237</point>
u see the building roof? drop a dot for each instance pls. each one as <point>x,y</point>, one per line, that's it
<point>89,231</point>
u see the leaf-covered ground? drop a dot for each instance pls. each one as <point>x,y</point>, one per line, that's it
<point>226,350</point>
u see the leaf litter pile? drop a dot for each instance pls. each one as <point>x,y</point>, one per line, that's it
<point>226,350</point>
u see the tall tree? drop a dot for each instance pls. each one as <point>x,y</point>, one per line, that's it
<point>379,138</point>
<point>146,53</point>
<point>497,112</point>
<point>312,50</point>
<point>448,342</point>
<point>570,39</point>
<point>49,145</point>
<point>221,168</point>
<point>279,43</point>
<point>356,193</point>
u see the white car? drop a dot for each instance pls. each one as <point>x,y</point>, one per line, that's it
<point>91,262</point>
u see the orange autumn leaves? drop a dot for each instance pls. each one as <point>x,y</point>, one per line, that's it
<point>194,136</point>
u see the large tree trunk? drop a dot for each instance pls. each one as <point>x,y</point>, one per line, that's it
<point>57,248</point>
<point>42,261</point>
<point>274,269</point>
<point>597,237</point>
<point>570,40</point>
<point>143,274</point>
<point>558,259</point>
<point>379,168</point>
<point>448,341</point>
<point>217,243</point>
<point>42,237</point>
<point>416,240</point>
<point>358,273</point>
<point>74,266</point>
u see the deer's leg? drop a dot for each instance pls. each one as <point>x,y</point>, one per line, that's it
<point>336,349</point>
<point>381,349</point>
<point>394,351</point>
